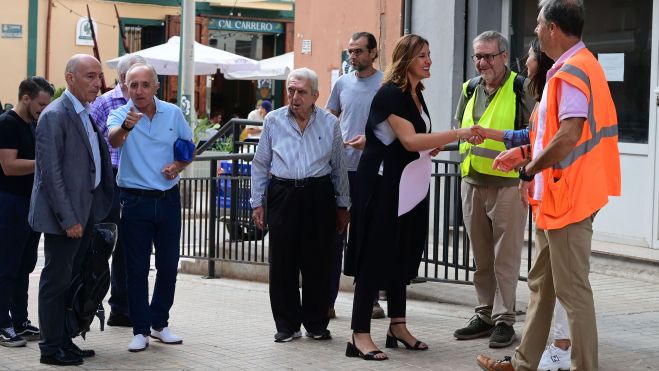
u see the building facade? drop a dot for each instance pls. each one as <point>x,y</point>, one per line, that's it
<point>38,37</point>
<point>623,34</point>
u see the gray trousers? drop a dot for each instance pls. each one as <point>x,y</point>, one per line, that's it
<point>63,260</point>
<point>494,218</point>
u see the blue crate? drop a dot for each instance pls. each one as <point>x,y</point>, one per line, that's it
<point>224,186</point>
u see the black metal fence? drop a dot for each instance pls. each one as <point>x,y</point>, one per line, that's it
<point>217,224</point>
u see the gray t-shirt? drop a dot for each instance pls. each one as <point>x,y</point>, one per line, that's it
<point>351,98</point>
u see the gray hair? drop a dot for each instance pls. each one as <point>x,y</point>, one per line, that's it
<point>304,74</point>
<point>489,36</point>
<point>126,62</point>
<point>568,15</point>
<point>148,66</point>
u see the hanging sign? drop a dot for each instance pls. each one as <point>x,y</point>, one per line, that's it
<point>245,25</point>
<point>84,32</point>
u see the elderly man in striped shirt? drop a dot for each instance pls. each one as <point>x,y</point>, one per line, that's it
<point>100,110</point>
<point>300,160</point>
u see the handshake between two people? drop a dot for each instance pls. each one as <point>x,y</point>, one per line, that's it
<point>507,160</point>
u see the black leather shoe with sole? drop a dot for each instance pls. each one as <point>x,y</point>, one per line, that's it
<point>76,351</point>
<point>61,358</point>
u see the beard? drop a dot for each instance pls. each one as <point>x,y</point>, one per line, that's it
<point>359,67</point>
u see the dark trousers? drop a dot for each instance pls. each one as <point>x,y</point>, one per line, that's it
<point>145,221</point>
<point>18,256</point>
<point>64,257</point>
<point>362,305</point>
<point>302,225</point>
<point>118,298</point>
<point>337,255</point>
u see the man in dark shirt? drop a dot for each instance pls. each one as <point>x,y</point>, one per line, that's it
<point>18,244</point>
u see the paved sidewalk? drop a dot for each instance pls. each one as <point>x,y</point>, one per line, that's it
<point>226,324</point>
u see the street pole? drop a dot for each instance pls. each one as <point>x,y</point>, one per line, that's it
<point>186,80</point>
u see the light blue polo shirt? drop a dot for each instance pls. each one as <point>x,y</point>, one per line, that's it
<point>149,147</point>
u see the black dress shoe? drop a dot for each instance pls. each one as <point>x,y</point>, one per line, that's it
<point>61,358</point>
<point>75,351</point>
<point>119,320</point>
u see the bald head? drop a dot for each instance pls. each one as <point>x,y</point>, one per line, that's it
<point>141,67</point>
<point>74,62</point>
<point>83,76</point>
<point>142,83</point>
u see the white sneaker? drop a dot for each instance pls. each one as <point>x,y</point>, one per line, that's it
<point>166,336</point>
<point>139,343</point>
<point>554,359</point>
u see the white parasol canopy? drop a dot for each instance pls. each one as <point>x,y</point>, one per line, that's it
<point>276,68</point>
<point>165,58</point>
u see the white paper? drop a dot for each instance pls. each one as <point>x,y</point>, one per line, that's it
<point>613,65</point>
<point>306,46</point>
<point>414,182</point>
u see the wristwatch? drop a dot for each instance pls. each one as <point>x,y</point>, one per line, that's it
<point>123,126</point>
<point>523,176</point>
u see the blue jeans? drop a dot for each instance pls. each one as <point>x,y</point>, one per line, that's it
<point>148,220</point>
<point>18,256</point>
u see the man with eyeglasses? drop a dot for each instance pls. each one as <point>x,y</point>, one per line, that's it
<point>350,101</point>
<point>494,216</point>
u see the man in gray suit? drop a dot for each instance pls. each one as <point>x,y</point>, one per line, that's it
<point>72,190</point>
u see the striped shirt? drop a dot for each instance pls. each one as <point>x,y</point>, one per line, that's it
<point>100,110</point>
<point>286,152</point>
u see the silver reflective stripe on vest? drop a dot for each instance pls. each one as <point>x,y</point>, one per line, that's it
<point>596,137</point>
<point>481,152</point>
<point>485,152</point>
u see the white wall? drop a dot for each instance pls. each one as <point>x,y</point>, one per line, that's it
<point>628,219</point>
<point>443,27</point>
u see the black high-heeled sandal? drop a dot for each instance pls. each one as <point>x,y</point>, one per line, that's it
<point>392,340</point>
<point>353,351</point>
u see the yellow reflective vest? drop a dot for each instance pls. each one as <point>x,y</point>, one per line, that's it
<point>499,115</point>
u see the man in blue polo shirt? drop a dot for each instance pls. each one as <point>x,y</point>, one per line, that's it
<point>146,129</point>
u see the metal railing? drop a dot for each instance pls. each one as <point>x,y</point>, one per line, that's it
<point>217,223</point>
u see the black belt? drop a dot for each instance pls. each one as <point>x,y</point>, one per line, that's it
<point>301,183</point>
<point>153,193</point>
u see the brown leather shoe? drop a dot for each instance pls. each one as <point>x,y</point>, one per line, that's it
<point>489,364</point>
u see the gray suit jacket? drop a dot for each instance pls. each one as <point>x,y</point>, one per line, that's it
<point>63,192</point>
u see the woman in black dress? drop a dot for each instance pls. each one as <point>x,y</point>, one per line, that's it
<point>384,249</point>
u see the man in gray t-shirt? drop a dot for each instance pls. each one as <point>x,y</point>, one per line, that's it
<point>350,101</point>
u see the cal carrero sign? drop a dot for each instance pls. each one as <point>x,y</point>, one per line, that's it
<point>245,25</point>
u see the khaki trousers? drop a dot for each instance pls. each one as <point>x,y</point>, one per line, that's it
<point>494,218</point>
<point>560,270</point>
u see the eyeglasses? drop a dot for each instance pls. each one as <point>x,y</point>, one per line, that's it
<point>487,57</point>
<point>357,51</point>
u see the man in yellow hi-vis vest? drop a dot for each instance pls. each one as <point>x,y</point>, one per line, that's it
<point>494,215</point>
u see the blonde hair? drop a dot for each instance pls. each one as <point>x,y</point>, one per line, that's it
<point>405,51</point>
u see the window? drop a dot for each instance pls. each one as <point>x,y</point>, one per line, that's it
<point>612,26</point>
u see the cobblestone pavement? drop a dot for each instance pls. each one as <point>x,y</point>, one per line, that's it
<point>226,324</point>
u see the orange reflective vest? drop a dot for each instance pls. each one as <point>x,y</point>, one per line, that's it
<point>581,183</point>
<point>533,131</point>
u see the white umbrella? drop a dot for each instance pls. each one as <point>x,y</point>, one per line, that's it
<point>164,58</point>
<point>276,68</point>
